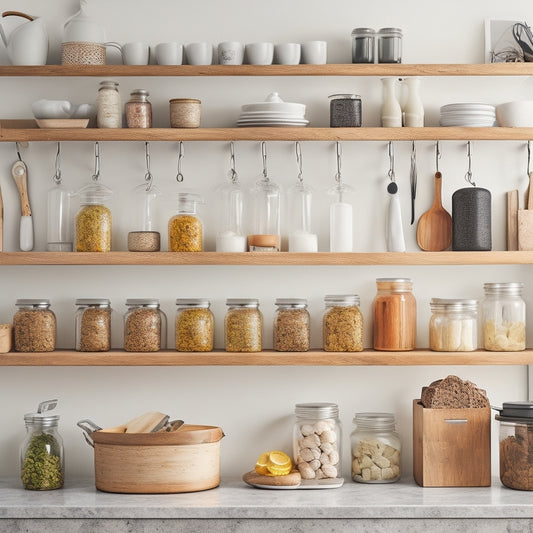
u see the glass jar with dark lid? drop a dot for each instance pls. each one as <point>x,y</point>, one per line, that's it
<point>516,444</point>
<point>389,45</point>
<point>345,111</point>
<point>363,45</point>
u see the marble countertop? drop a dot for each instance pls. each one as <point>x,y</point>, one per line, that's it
<point>236,500</point>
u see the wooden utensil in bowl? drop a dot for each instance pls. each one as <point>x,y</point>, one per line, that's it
<point>434,230</point>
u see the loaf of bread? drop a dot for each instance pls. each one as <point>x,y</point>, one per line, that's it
<point>453,393</point>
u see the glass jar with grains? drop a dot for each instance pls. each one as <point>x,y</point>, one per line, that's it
<point>504,317</point>
<point>139,110</point>
<point>194,325</point>
<point>34,326</point>
<point>145,326</point>
<point>93,325</point>
<point>108,106</point>
<point>317,440</point>
<point>243,325</point>
<point>185,228</point>
<point>41,452</point>
<point>376,448</point>
<point>394,310</point>
<point>453,325</point>
<point>292,328</point>
<point>342,324</point>
<point>93,220</point>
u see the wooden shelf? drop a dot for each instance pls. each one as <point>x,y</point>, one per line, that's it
<point>266,258</point>
<point>399,70</point>
<point>24,130</point>
<point>265,358</point>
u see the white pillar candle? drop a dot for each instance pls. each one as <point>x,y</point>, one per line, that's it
<point>340,227</point>
<point>303,241</point>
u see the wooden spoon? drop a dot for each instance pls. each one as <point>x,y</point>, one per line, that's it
<point>20,176</point>
<point>434,230</point>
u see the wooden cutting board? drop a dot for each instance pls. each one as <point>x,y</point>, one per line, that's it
<point>512,220</point>
<point>525,221</point>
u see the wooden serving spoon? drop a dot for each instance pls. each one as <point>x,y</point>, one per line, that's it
<point>20,176</point>
<point>434,230</point>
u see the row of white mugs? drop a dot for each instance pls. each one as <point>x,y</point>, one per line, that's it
<point>227,53</point>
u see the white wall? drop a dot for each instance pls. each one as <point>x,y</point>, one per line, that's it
<point>254,405</point>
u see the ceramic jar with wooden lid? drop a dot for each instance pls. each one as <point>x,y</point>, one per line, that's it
<point>185,113</point>
<point>394,310</point>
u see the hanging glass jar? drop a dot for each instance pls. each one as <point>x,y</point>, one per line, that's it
<point>265,210</point>
<point>41,452</point>
<point>194,325</point>
<point>144,206</point>
<point>58,229</point>
<point>93,220</point>
<point>340,212</point>
<point>317,440</point>
<point>376,448</point>
<point>504,317</point>
<point>299,197</point>
<point>230,237</point>
<point>185,228</point>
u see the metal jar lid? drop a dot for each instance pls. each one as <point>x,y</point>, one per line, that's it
<point>504,288</point>
<point>316,410</point>
<point>453,304</point>
<point>292,302</point>
<point>93,302</point>
<point>41,417</point>
<point>363,31</point>
<point>515,412</point>
<point>242,302</point>
<point>192,302</point>
<point>345,96</point>
<point>32,302</point>
<point>342,299</point>
<point>142,302</point>
<point>390,31</point>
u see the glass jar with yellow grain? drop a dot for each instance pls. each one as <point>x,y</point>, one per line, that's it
<point>243,325</point>
<point>194,325</point>
<point>185,228</point>
<point>93,220</point>
<point>342,323</point>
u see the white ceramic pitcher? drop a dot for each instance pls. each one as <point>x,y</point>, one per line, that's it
<point>27,44</point>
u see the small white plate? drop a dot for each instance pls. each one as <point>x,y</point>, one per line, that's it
<point>306,484</point>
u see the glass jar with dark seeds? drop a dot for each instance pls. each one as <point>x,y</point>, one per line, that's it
<point>345,111</point>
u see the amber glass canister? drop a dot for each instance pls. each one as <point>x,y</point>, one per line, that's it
<point>394,311</point>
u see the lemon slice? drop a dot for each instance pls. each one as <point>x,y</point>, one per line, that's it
<point>262,464</point>
<point>273,463</point>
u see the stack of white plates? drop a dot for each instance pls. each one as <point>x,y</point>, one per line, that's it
<point>468,115</point>
<point>272,112</point>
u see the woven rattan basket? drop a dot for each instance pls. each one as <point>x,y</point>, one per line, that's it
<point>81,53</point>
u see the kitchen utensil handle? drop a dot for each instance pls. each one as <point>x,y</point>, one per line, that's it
<point>26,233</point>
<point>530,192</point>
<point>395,238</point>
<point>437,199</point>
<point>17,14</point>
<point>1,222</point>
<point>88,427</point>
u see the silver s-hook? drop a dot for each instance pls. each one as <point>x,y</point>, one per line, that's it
<point>338,149</point>
<point>57,176</point>
<point>264,158</point>
<point>299,161</point>
<point>468,175</point>
<point>148,176</point>
<point>179,175</point>
<point>391,173</point>
<point>96,174</point>
<point>234,177</point>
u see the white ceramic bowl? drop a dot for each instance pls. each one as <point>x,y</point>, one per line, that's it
<point>518,114</point>
<point>273,103</point>
<point>61,109</point>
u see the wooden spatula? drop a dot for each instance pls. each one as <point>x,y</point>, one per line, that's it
<point>434,230</point>
<point>145,423</point>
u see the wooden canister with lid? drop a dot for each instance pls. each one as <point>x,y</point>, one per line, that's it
<point>185,113</point>
<point>394,313</point>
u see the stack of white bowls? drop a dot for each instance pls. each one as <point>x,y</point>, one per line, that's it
<point>468,115</point>
<point>272,112</point>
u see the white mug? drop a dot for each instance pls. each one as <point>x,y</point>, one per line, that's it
<point>259,53</point>
<point>135,53</point>
<point>199,53</point>
<point>287,54</point>
<point>315,52</point>
<point>230,53</point>
<point>169,53</point>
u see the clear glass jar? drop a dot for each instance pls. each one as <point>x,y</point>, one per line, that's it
<point>195,325</point>
<point>265,208</point>
<point>342,323</point>
<point>230,237</point>
<point>93,221</point>
<point>389,45</point>
<point>41,453</point>
<point>144,211</point>
<point>317,440</point>
<point>138,110</point>
<point>59,223</point>
<point>185,229</point>
<point>453,325</point>
<point>345,111</point>
<point>108,106</point>
<point>394,313</point>
<point>34,326</point>
<point>504,317</point>
<point>363,45</point>
<point>292,325</point>
<point>376,448</point>
<point>516,445</point>
<point>340,219</point>
<point>243,325</point>
<point>93,325</point>
<point>145,326</point>
<point>301,238</point>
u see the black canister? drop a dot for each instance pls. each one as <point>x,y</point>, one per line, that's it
<point>471,219</point>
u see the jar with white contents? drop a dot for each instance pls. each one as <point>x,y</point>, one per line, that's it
<point>453,325</point>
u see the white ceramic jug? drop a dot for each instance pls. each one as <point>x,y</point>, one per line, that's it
<point>27,44</point>
<point>81,28</point>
